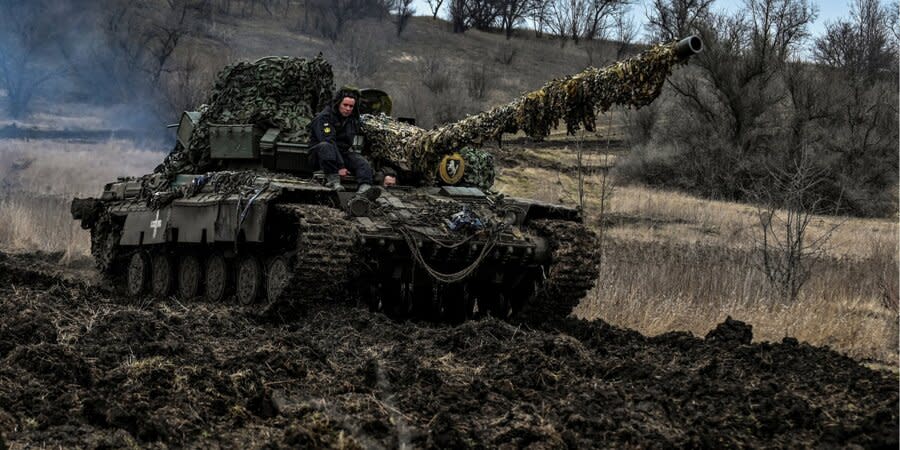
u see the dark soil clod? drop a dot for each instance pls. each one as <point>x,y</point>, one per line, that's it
<point>732,332</point>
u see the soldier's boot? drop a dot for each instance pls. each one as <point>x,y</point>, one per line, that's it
<point>333,181</point>
<point>368,191</point>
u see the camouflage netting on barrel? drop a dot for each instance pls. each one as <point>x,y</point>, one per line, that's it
<point>280,92</point>
<point>633,82</point>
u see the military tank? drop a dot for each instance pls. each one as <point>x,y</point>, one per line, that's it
<point>237,210</point>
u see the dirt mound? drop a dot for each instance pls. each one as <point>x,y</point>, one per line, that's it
<point>205,375</point>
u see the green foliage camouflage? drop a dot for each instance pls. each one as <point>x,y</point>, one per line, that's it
<point>279,92</point>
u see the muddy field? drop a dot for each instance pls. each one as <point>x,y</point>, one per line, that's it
<point>81,368</point>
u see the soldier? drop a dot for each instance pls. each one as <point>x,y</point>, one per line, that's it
<point>332,132</point>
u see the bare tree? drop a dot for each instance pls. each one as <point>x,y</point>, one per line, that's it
<point>778,28</point>
<point>357,53</point>
<point>567,19</point>
<point>483,14</point>
<point>602,19</point>
<point>734,114</point>
<point>144,38</point>
<point>404,11</point>
<point>598,14</point>
<point>434,75</point>
<point>860,132</point>
<point>477,81</point>
<point>334,16</point>
<point>186,83</point>
<point>435,7</point>
<point>512,12</point>
<point>28,32</point>
<point>538,13</point>
<point>458,11</point>
<point>625,32</point>
<point>862,46</point>
<point>894,19</point>
<point>673,19</point>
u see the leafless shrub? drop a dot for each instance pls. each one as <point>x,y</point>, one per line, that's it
<point>404,11</point>
<point>477,81</point>
<point>784,241</point>
<point>430,109</point>
<point>673,19</point>
<point>359,51</point>
<point>433,74</point>
<point>595,51</point>
<point>332,18</point>
<point>885,257</point>
<point>415,104</point>
<point>186,85</point>
<point>506,53</point>
<point>450,106</point>
<point>29,31</point>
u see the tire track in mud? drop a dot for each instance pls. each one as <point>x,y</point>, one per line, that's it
<point>81,368</point>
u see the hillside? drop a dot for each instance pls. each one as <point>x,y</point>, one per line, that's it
<point>370,54</point>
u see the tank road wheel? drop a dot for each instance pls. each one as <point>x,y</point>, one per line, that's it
<point>189,275</point>
<point>277,278</point>
<point>217,277</point>
<point>501,308</point>
<point>162,275</point>
<point>249,280</point>
<point>459,304</point>
<point>137,276</point>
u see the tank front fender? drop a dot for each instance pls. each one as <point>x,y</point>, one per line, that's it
<point>87,210</point>
<point>535,210</point>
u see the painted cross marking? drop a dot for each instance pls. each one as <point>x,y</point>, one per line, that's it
<point>155,224</point>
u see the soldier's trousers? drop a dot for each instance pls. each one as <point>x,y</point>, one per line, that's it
<point>327,157</point>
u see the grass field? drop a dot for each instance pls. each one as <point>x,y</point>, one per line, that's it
<point>675,262</point>
<point>39,178</point>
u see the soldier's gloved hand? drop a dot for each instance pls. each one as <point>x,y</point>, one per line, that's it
<point>343,172</point>
<point>389,180</point>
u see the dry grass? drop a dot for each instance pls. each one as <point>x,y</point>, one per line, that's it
<point>676,262</point>
<point>39,178</point>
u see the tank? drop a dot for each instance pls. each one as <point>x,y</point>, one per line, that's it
<point>236,210</point>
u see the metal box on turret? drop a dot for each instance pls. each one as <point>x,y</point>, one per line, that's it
<point>234,141</point>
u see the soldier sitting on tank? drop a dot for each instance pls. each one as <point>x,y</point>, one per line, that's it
<point>332,132</point>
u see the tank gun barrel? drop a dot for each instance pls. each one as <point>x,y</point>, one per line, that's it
<point>688,47</point>
<point>634,82</point>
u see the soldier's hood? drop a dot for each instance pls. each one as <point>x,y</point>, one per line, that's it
<point>339,95</point>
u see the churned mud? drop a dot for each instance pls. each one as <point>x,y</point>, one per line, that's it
<point>80,367</point>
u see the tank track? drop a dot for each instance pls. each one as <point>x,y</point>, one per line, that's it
<point>104,239</point>
<point>570,275</point>
<point>323,258</point>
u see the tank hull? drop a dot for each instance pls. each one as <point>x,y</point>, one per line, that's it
<point>442,253</point>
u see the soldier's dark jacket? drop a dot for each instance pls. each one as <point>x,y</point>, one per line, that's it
<point>330,126</point>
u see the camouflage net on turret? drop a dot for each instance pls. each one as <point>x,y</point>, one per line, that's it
<point>280,92</point>
<point>634,82</point>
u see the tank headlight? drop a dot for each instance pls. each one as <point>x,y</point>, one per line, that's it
<point>510,218</point>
